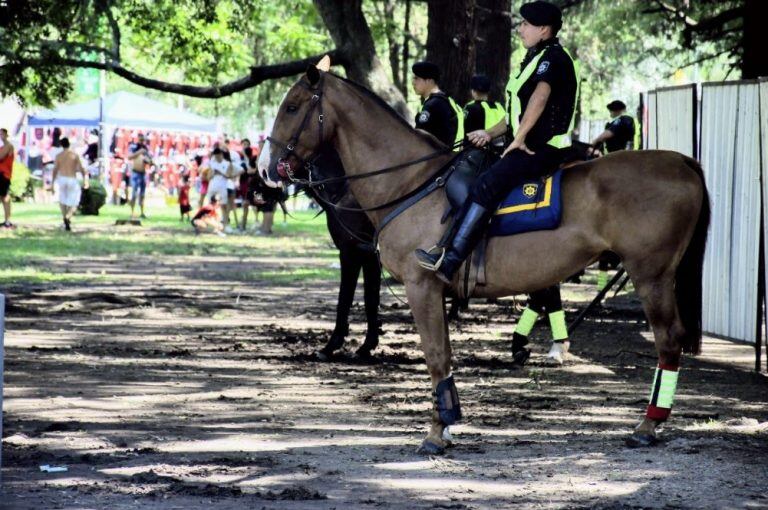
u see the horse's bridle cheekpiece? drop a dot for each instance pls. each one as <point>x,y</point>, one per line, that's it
<point>284,169</point>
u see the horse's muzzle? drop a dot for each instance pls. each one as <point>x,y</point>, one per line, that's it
<point>284,169</point>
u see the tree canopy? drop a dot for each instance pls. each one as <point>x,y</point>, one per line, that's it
<point>217,49</point>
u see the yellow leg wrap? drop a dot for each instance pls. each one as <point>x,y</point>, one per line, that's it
<point>557,323</point>
<point>526,322</point>
<point>602,280</point>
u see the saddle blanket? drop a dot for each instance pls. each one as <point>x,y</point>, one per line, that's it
<point>531,206</point>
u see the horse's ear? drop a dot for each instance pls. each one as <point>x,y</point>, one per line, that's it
<point>324,64</point>
<point>313,74</point>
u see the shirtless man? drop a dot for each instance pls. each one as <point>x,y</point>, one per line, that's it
<point>138,154</point>
<point>65,169</point>
<point>7,154</point>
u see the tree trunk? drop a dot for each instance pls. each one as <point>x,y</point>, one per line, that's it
<point>451,44</point>
<point>494,44</point>
<point>393,43</point>
<point>351,33</point>
<point>753,61</point>
<point>406,69</point>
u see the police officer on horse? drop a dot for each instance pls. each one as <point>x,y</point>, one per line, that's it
<point>439,115</point>
<point>481,112</point>
<point>541,103</point>
<point>621,133</point>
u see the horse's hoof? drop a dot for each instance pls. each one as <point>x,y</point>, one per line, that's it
<point>322,356</point>
<point>429,448</point>
<point>641,440</point>
<point>520,357</point>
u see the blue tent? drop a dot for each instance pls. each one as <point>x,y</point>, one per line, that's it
<point>123,109</point>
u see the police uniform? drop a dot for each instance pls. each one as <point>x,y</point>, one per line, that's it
<point>439,114</point>
<point>481,113</point>
<point>546,62</point>
<point>625,129</point>
<point>441,117</point>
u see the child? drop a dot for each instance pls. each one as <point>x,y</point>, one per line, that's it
<point>207,217</point>
<point>184,205</point>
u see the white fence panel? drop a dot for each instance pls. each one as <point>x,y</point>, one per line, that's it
<point>730,155</point>
<point>650,124</point>
<point>672,119</point>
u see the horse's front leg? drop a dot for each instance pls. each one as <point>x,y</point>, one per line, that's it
<point>425,298</point>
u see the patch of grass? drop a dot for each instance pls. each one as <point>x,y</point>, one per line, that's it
<point>34,275</point>
<point>294,275</point>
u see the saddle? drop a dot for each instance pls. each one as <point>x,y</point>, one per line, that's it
<point>529,207</point>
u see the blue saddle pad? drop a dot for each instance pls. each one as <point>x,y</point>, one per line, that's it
<point>531,206</point>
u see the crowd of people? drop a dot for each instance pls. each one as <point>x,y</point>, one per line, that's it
<point>220,173</point>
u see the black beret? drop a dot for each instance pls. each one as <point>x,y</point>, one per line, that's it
<point>616,105</point>
<point>540,13</point>
<point>426,70</point>
<point>480,83</point>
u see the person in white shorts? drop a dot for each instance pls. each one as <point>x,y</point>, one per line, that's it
<point>65,169</point>
<point>222,170</point>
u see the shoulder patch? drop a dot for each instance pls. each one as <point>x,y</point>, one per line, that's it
<point>542,67</point>
<point>423,117</point>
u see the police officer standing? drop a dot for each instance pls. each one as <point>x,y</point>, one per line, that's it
<point>439,115</point>
<point>621,133</point>
<point>541,104</point>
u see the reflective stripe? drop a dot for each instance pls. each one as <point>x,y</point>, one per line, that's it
<point>557,324</point>
<point>515,108</point>
<point>526,322</point>
<point>636,138</point>
<point>663,388</point>
<point>459,124</point>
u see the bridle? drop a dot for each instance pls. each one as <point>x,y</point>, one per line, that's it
<point>284,169</point>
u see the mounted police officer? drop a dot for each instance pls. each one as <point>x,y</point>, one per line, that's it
<point>439,115</point>
<point>621,133</point>
<point>541,101</point>
<point>482,113</point>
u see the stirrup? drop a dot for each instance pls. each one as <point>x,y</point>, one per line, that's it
<point>427,264</point>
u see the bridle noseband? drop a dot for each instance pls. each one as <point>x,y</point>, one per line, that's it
<point>284,169</point>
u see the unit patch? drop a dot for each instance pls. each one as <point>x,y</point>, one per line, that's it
<point>529,190</point>
<point>423,117</point>
<point>543,67</point>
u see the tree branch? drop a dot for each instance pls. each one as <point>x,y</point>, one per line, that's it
<point>257,75</point>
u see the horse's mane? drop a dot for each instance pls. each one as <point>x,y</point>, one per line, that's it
<point>437,144</point>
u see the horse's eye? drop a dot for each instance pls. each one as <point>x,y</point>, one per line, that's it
<point>291,108</point>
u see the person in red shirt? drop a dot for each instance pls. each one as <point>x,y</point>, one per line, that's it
<point>7,154</point>
<point>208,217</point>
<point>184,205</point>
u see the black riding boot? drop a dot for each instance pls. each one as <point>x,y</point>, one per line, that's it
<point>446,261</point>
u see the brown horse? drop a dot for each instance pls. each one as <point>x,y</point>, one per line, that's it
<point>649,207</point>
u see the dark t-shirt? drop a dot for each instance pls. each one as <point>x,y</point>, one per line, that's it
<point>623,129</point>
<point>474,115</point>
<point>555,68</point>
<point>438,118</point>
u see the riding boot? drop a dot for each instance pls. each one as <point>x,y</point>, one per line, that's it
<point>471,225</point>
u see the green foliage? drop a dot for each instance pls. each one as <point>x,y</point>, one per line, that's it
<point>20,179</point>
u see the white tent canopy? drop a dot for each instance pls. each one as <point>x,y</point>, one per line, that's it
<point>124,109</point>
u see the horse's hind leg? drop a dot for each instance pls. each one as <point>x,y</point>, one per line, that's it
<point>350,271</point>
<point>658,297</point>
<point>372,283</point>
<point>425,298</point>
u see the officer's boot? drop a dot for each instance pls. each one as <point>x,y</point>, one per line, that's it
<point>445,262</point>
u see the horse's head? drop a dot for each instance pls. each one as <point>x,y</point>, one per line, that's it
<point>299,130</point>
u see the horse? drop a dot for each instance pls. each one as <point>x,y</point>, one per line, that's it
<point>352,234</point>
<point>651,208</point>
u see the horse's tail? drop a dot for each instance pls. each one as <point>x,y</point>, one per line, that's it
<point>688,277</point>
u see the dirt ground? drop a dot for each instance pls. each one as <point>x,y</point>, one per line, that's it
<point>175,384</point>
